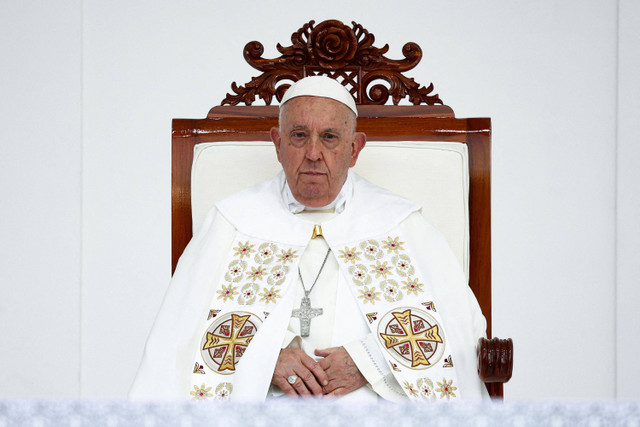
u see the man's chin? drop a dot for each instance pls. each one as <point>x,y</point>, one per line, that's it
<point>313,198</point>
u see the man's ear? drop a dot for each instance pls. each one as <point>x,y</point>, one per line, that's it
<point>275,137</point>
<point>359,141</point>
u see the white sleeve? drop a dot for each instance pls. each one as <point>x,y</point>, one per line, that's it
<point>367,357</point>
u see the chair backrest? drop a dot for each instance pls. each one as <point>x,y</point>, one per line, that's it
<point>457,156</point>
<point>231,135</point>
<point>433,174</point>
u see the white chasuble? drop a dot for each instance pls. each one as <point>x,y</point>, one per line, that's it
<point>219,334</point>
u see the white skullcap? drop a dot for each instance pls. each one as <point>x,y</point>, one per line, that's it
<point>321,86</point>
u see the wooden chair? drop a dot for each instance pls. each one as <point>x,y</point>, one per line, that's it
<point>348,54</point>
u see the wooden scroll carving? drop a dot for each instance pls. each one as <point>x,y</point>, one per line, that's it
<point>341,52</point>
<point>495,360</point>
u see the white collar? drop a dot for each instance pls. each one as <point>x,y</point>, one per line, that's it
<point>338,205</point>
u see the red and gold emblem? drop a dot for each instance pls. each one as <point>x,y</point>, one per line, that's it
<point>225,341</point>
<point>412,336</point>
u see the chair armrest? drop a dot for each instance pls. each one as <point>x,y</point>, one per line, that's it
<point>495,360</point>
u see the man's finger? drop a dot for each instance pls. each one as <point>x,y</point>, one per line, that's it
<point>301,387</point>
<point>317,371</point>
<point>324,352</point>
<point>340,391</point>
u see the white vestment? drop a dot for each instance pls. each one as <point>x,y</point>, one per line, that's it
<point>240,269</point>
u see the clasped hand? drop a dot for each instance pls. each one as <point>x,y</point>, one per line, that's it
<point>334,375</point>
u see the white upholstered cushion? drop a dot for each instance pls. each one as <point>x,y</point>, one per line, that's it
<point>433,174</point>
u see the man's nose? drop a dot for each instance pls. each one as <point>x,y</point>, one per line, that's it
<point>314,147</point>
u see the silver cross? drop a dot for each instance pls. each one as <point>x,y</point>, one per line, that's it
<point>305,313</point>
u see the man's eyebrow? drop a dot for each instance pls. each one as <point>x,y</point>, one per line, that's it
<point>331,130</point>
<point>304,127</point>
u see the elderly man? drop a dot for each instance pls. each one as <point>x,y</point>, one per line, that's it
<point>315,283</point>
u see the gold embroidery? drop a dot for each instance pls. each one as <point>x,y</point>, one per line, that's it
<point>227,292</point>
<point>266,253</point>
<point>371,250</point>
<point>287,256</point>
<point>369,295</point>
<point>425,385</point>
<point>410,389</point>
<point>229,342</point>
<point>403,265</point>
<point>412,286</point>
<point>409,340</point>
<point>381,269</point>
<point>223,390</point>
<point>391,290</point>
<point>360,275</point>
<point>350,255</point>
<point>248,294</point>
<point>392,244</point>
<point>201,393</point>
<point>235,271</point>
<point>446,389</point>
<point>243,249</point>
<point>277,275</point>
<point>256,273</point>
<point>269,295</point>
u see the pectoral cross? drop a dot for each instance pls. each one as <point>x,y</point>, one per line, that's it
<point>305,313</point>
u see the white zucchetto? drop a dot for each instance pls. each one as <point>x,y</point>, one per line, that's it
<point>321,86</point>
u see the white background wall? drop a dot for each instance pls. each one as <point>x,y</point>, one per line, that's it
<point>88,91</point>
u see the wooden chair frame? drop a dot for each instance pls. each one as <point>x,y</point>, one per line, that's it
<point>380,123</point>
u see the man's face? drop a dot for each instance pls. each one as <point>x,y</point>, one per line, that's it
<point>316,144</point>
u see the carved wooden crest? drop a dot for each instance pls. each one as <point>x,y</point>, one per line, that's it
<point>338,51</point>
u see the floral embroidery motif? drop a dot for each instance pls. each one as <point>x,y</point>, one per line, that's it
<point>201,393</point>
<point>371,250</point>
<point>269,295</point>
<point>257,262</point>
<point>256,273</point>
<point>244,249</point>
<point>277,275</point>
<point>235,271</point>
<point>287,256</point>
<point>248,294</point>
<point>392,245</point>
<point>223,390</point>
<point>350,255</point>
<point>446,389</point>
<point>227,292</point>
<point>266,253</point>
<point>369,295</point>
<point>391,290</point>
<point>403,265</point>
<point>381,269</point>
<point>412,286</point>
<point>391,270</point>
<point>410,389</point>
<point>360,275</point>
<point>425,385</point>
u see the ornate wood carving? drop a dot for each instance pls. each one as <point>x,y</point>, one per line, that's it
<point>346,54</point>
<point>495,360</point>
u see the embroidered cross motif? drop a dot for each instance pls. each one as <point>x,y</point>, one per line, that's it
<point>227,346</point>
<point>410,340</point>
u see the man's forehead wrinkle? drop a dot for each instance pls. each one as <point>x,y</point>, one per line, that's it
<point>325,130</point>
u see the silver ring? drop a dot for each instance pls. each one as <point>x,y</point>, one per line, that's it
<point>292,379</point>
